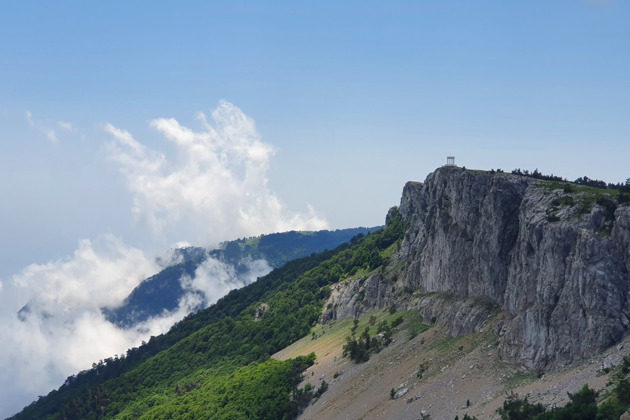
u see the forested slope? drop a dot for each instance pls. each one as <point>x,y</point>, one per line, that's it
<point>214,362</point>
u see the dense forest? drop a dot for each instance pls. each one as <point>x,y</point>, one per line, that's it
<point>213,363</point>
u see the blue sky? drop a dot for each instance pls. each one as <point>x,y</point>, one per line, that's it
<point>356,98</point>
<point>101,139</point>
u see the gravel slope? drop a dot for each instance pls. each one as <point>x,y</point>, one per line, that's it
<point>463,375</point>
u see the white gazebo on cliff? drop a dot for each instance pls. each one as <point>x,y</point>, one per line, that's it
<point>450,160</point>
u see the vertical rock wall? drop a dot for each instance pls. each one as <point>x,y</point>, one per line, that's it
<point>562,280</point>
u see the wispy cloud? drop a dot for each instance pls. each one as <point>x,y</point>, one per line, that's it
<point>46,127</point>
<point>216,186</point>
<point>215,278</point>
<point>65,125</point>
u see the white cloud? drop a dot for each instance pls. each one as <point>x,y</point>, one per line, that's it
<point>46,127</point>
<point>65,125</point>
<point>214,189</point>
<point>63,330</point>
<point>50,134</point>
<point>100,272</point>
<point>182,244</point>
<point>215,278</point>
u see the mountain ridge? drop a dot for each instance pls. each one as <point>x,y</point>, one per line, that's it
<point>163,291</point>
<point>539,268</point>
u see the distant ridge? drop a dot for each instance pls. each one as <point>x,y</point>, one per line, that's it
<point>162,292</point>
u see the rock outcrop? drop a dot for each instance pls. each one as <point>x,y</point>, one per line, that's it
<point>554,257</point>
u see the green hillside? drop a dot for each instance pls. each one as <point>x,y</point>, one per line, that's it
<point>216,363</point>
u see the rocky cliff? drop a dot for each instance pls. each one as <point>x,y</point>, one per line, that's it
<point>553,256</point>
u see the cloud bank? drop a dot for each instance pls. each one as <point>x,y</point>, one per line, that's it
<point>215,278</point>
<point>214,189</point>
<point>50,323</point>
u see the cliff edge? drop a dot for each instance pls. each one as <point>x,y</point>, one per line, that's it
<point>554,256</point>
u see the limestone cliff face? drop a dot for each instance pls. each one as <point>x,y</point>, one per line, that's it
<point>555,261</point>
